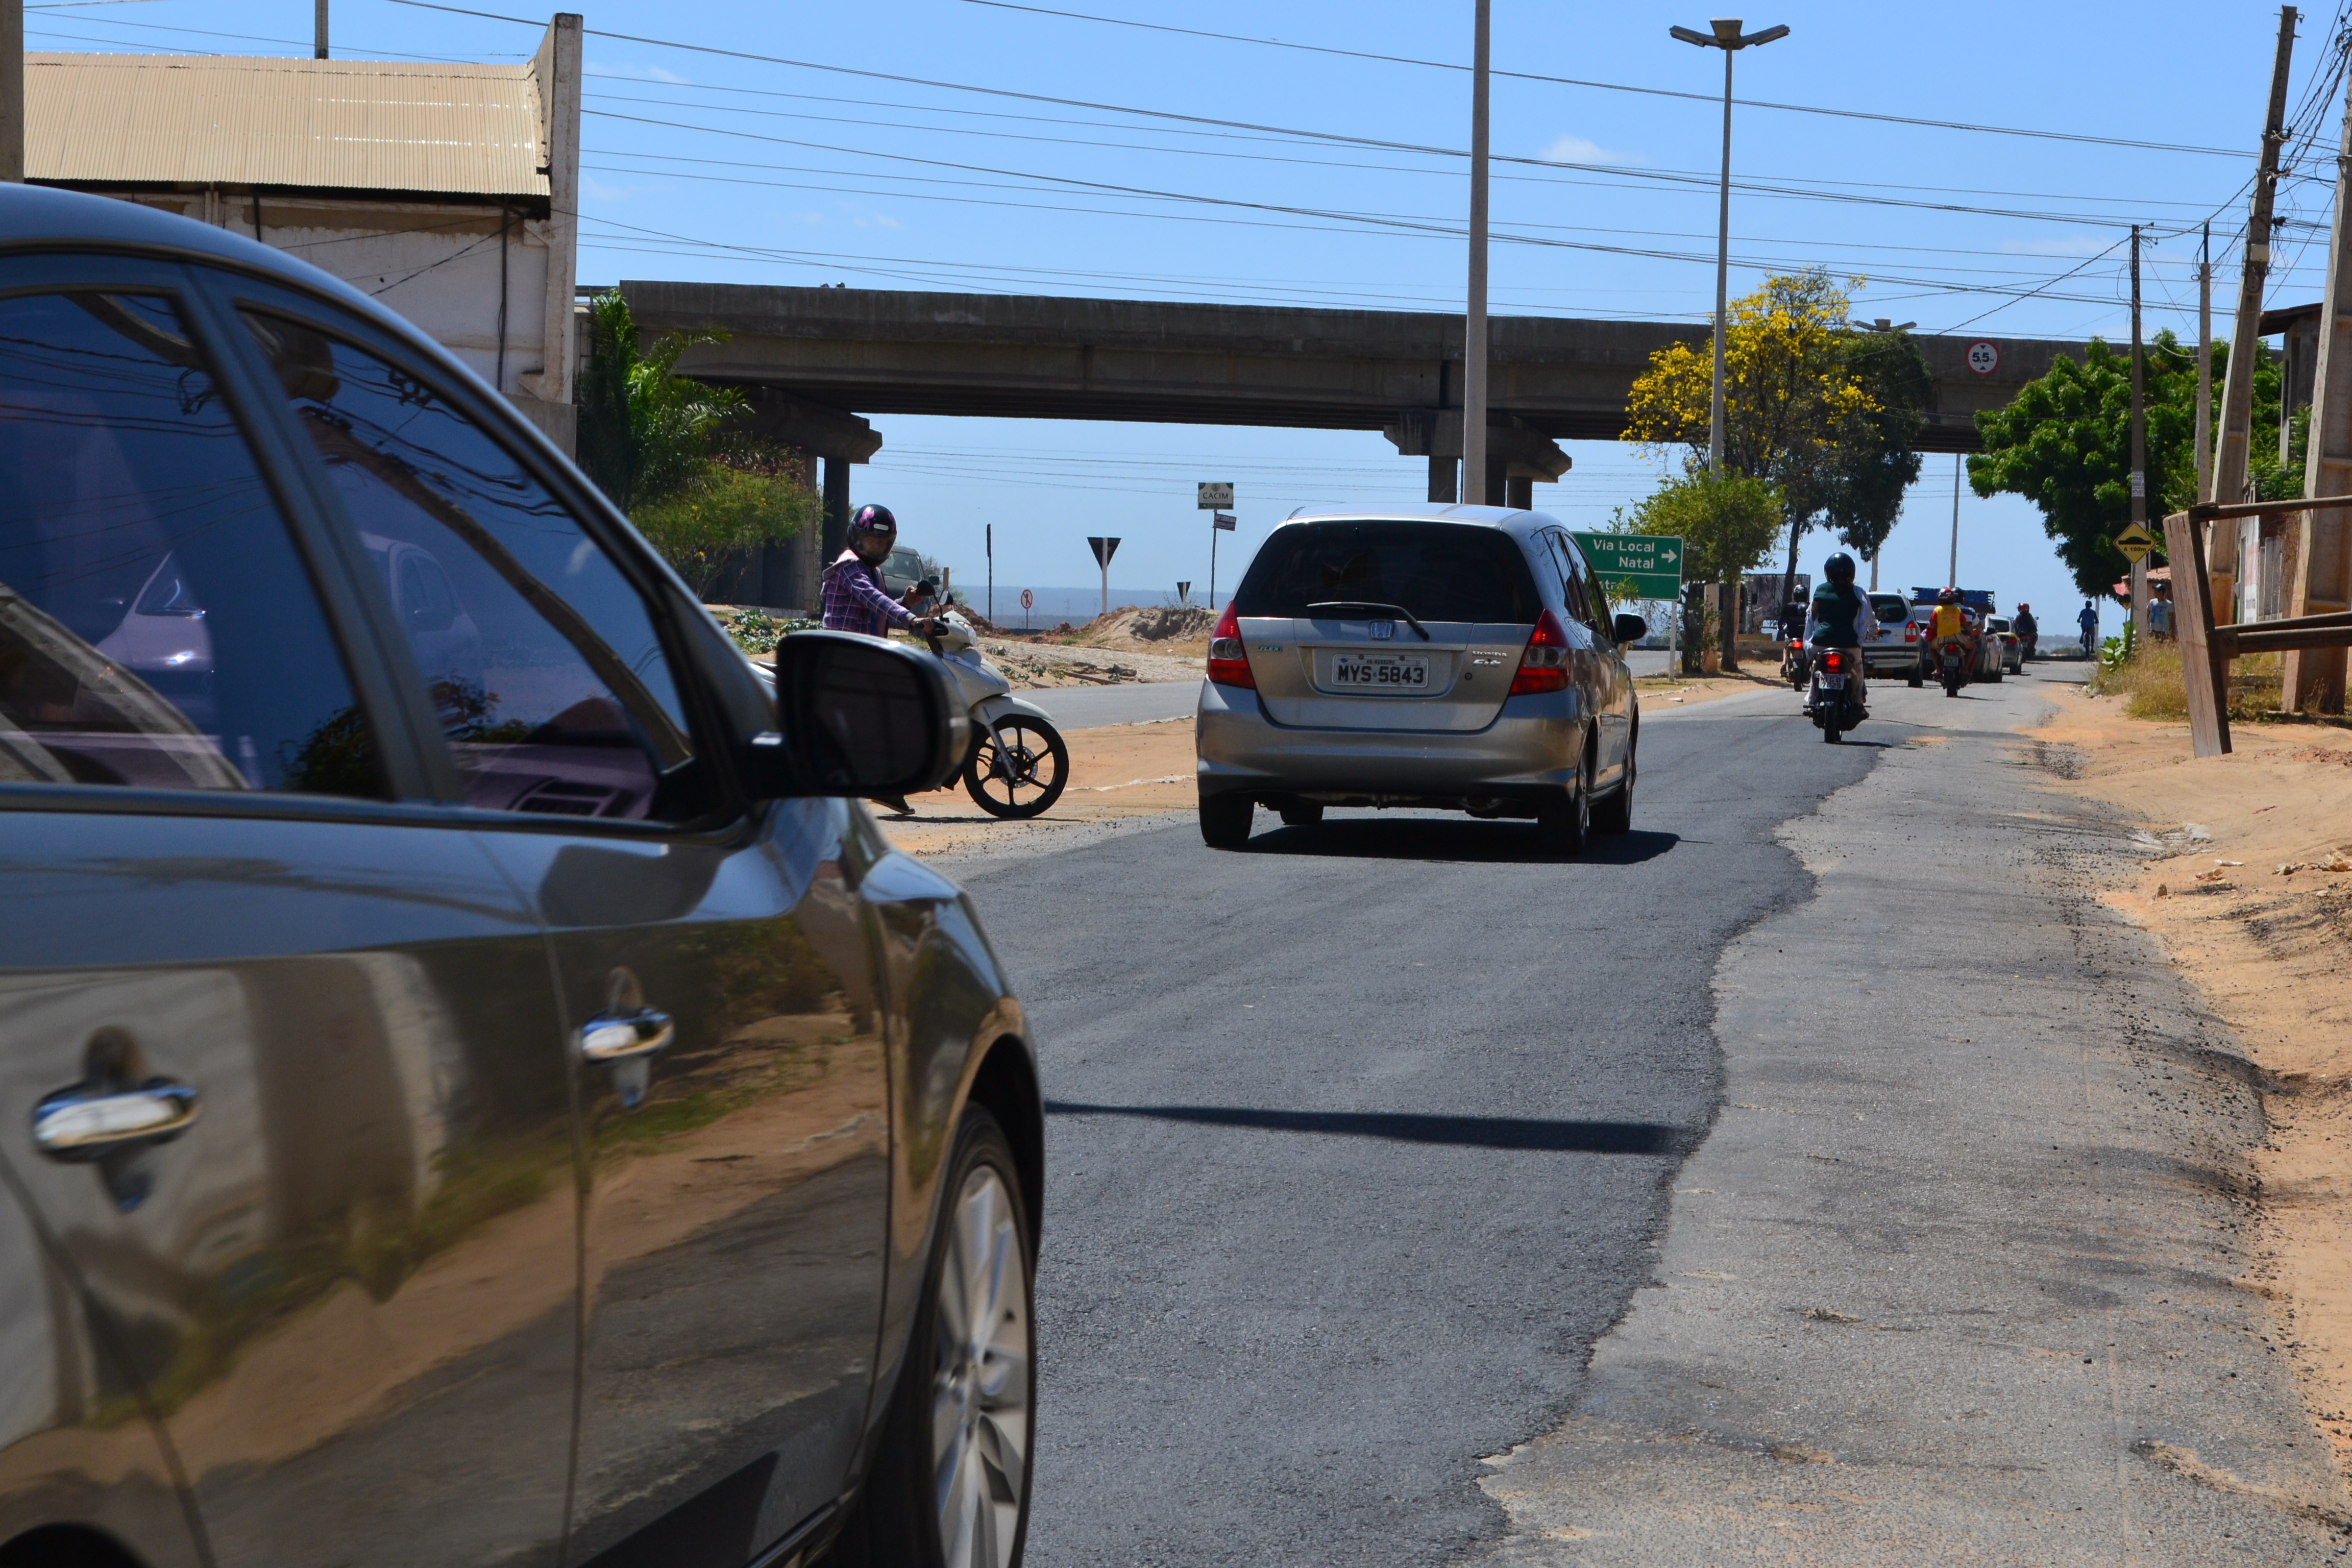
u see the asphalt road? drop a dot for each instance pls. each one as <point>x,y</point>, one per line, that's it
<point>1092,707</point>
<point>1361,1136</point>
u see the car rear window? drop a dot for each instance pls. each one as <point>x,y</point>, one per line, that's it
<point>1439,572</point>
<point>1890,608</point>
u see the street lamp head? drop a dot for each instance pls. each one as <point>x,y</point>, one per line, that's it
<point>1727,36</point>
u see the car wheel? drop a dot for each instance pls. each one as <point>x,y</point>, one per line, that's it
<point>1615,814</point>
<point>1917,680</point>
<point>1225,820</point>
<point>1302,813</point>
<point>951,1487</point>
<point>1566,823</point>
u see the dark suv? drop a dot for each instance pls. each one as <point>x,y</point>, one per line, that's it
<point>474,1087</point>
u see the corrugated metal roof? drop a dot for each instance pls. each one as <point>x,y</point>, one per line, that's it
<point>321,124</point>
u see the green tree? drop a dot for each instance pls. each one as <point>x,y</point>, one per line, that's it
<point>2064,443</point>
<point>730,503</point>
<point>1727,522</point>
<point>659,445</point>
<point>643,429</point>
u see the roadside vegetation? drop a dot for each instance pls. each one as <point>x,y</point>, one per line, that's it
<point>1822,417</point>
<point>2065,443</point>
<point>2148,681</point>
<point>669,452</point>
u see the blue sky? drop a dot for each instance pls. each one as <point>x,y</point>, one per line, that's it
<point>706,165</point>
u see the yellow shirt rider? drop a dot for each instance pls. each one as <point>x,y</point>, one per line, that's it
<point>1949,619</point>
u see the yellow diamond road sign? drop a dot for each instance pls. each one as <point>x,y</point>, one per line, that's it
<point>2135,541</point>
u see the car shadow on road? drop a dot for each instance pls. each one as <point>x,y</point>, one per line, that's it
<point>1466,841</point>
<point>1534,1133</point>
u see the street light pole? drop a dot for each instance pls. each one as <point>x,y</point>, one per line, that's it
<point>1474,326</point>
<point>1728,38</point>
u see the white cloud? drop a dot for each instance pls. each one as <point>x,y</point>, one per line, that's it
<point>1576,150</point>
<point>637,73</point>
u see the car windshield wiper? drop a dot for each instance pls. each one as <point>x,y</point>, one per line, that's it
<point>1398,611</point>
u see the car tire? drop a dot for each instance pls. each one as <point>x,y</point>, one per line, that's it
<point>1917,680</point>
<point>1564,825</point>
<point>1225,820</point>
<point>940,1493</point>
<point>1302,813</point>
<point>2001,674</point>
<point>1615,814</point>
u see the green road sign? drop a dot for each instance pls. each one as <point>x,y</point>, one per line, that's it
<point>1635,565</point>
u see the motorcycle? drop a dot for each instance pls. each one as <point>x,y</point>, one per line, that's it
<point>1955,657</point>
<point>1834,701</point>
<point>1796,662</point>
<point>1018,764</point>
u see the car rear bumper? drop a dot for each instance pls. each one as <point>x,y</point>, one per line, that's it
<point>1530,752</point>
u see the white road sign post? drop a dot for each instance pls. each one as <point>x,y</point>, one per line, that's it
<point>1103,550</point>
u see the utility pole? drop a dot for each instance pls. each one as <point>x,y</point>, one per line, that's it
<point>12,90</point>
<point>2312,681</point>
<point>2138,457</point>
<point>1474,332</point>
<point>2204,365</point>
<point>990,536</point>
<point>1952,572</point>
<point>319,29</point>
<point>2227,478</point>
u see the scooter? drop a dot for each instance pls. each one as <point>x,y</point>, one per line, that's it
<point>1018,765</point>
<point>1833,703</point>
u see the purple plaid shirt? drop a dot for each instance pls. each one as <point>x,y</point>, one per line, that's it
<point>855,601</point>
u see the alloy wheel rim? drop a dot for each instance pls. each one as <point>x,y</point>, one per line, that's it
<point>980,1389</point>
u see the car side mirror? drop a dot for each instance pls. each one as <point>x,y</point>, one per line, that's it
<point>858,716</point>
<point>1631,628</point>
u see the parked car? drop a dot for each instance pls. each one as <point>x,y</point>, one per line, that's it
<point>2012,651</point>
<point>1452,657</point>
<point>478,1088</point>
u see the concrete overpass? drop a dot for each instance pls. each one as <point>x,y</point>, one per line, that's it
<point>815,359</point>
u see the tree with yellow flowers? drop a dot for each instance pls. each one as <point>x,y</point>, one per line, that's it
<point>1826,412</point>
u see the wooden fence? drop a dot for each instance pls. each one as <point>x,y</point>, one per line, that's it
<point>2206,649</point>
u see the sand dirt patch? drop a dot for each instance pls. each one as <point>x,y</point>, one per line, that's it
<point>2241,885</point>
<point>1118,773</point>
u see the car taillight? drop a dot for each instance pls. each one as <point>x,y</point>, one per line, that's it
<point>1910,631</point>
<point>1544,665</point>
<point>1228,660</point>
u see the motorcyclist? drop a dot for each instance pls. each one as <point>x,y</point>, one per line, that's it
<point>855,598</point>
<point>1841,617</point>
<point>2028,629</point>
<point>1948,619</point>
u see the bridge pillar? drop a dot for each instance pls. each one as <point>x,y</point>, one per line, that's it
<point>835,538</point>
<point>1517,458</point>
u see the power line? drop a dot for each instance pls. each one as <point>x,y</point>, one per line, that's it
<point>1611,85</point>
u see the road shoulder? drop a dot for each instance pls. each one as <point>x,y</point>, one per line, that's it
<point>1959,1272</point>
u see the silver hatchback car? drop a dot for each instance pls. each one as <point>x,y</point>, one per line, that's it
<point>1461,658</point>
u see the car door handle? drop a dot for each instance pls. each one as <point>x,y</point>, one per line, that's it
<point>625,1038</point>
<point>80,1124</point>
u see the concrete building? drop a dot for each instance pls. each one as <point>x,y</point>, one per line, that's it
<point>447,191</point>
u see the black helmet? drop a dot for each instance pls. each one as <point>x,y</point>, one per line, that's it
<point>1839,569</point>
<point>876,520</point>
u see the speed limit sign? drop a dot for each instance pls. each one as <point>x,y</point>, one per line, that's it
<point>1984,357</point>
<point>1028,600</point>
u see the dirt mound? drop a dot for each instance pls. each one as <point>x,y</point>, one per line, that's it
<point>1155,626</point>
